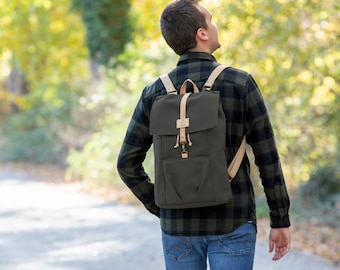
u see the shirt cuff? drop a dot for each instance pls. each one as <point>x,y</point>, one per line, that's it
<point>153,208</point>
<point>279,222</point>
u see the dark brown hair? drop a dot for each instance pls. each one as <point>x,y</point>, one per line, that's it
<point>180,21</point>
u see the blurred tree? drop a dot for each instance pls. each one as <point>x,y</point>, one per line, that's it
<point>41,49</point>
<point>289,46</point>
<point>108,28</point>
<point>144,57</point>
<point>43,40</point>
<point>16,84</point>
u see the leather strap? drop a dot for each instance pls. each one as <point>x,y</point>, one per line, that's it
<point>169,86</point>
<point>184,87</point>
<point>237,160</point>
<point>212,78</point>
<point>183,123</point>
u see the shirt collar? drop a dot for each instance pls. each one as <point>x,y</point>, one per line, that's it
<point>195,56</point>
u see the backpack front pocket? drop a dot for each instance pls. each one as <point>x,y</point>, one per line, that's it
<point>188,180</point>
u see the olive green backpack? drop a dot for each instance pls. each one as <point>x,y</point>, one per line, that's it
<point>189,135</point>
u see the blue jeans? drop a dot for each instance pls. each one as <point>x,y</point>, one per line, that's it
<point>232,251</point>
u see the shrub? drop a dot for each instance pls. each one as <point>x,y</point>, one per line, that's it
<point>323,186</point>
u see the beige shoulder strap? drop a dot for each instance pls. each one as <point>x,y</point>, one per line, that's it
<point>169,86</point>
<point>237,160</point>
<point>212,78</point>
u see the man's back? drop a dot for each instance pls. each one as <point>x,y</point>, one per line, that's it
<point>218,219</point>
<point>225,233</point>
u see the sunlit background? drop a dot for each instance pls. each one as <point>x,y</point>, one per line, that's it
<point>71,72</point>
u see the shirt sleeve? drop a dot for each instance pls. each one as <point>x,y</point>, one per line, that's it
<point>260,136</point>
<point>136,143</point>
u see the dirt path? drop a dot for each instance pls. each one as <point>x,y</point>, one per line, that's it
<point>54,227</point>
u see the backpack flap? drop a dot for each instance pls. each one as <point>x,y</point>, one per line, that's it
<point>202,112</point>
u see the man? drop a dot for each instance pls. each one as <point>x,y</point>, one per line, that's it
<point>226,234</point>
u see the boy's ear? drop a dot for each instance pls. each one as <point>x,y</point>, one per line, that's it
<point>202,34</point>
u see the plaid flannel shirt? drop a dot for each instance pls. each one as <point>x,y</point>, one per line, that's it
<point>245,114</point>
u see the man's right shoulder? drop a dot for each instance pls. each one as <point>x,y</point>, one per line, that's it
<point>154,89</point>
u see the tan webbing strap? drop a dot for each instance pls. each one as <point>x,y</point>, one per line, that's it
<point>169,86</point>
<point>183,123</point>
<point>237,160</point>
<point>212,78</point>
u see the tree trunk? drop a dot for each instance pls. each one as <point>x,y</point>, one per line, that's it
<point>16,84</point>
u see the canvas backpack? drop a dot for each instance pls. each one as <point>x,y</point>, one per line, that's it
<point>189,135</point>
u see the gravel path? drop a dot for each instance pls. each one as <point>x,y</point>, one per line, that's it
<point>53,227</point>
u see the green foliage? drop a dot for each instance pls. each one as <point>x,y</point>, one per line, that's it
<point>108,27</point>
<point>119,94</point>
<point>40,134</point>
<point>96,161</point>
<point>323,186</point>
<point>141,62</point>
<point>30,146</point>
<point>44,40</point>
<point>25,138</point>
<point>290,47</point>
<point>320,196</point>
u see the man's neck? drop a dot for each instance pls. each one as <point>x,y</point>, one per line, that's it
<point>203,49</point>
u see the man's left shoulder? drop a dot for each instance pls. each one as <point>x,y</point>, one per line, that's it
<point>236,75</point>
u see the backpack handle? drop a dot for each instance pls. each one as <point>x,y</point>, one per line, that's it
<point>184,87</point>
